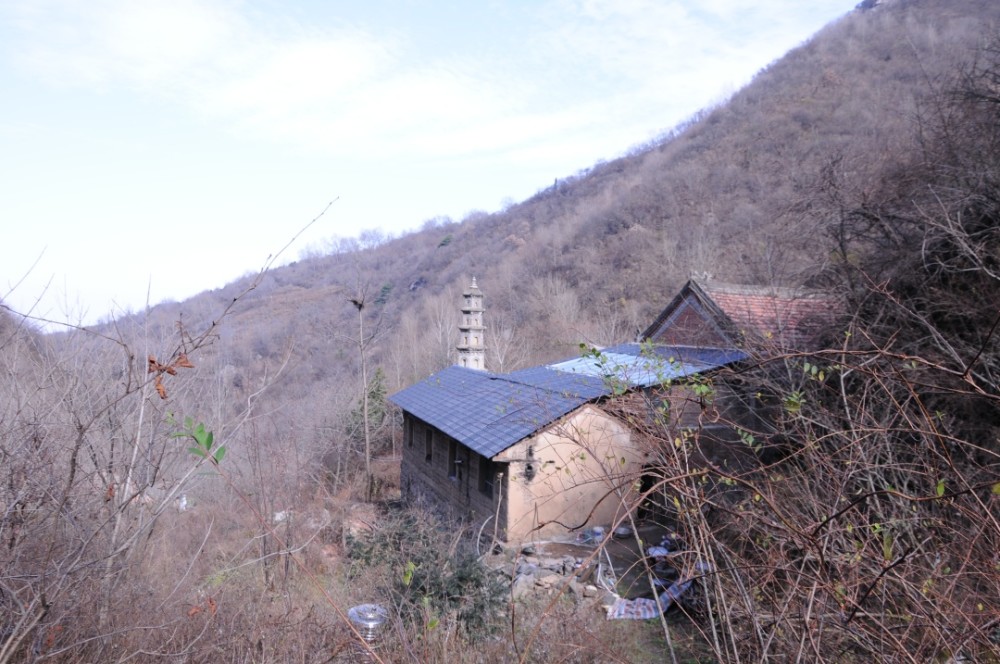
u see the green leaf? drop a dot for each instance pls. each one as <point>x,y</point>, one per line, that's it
<point>202,436</point>
<point>996,489</point>
<point>197,451</point>
<point>940,488</point>
<point>793,402</point>
<point>408,573</point>
<point>887,541</point>
<point>219,454</point>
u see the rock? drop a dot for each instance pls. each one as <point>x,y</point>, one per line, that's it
<point>525,568</point>
<point>621,532</point>
<point>585,574</point>
<point>553,564</point>
<point>590,591</point>
<point>317,519</point>
<point>361,519</point>
<point>548,581</point>
<point>522,586</point>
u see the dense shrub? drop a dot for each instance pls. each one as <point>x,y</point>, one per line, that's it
<point>430,574</point>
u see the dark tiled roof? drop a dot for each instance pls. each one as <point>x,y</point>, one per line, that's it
<point>546,377</point>
<point>489,412</point>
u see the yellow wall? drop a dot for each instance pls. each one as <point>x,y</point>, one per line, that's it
<point>584,468</point>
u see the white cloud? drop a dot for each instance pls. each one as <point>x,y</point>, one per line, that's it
<point>147,44</point>
<point>346,89</point>
<point>214,118</point>
<point>288,76</point>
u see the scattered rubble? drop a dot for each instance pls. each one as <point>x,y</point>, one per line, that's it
<point>584,569</point>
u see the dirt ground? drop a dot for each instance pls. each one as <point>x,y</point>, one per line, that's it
<point>626,555</point>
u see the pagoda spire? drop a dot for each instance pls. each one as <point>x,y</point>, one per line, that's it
<point>471,331</point>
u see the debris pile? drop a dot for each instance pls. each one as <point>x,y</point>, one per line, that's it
<point>585,570</point>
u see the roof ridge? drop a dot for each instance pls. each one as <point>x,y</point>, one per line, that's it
<point>769,290</point>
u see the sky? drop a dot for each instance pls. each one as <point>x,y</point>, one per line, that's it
<point>153,149</point>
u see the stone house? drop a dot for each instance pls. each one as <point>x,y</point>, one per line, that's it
<point>534,453</point>
<point>545,451</point>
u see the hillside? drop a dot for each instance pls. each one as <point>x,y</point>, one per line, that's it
<point>818,172</point>
<point>733,192</point>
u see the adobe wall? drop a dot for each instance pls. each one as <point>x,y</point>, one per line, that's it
<point>582,469</point>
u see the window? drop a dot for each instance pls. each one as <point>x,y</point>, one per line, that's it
<point>487,475</point>
<point>428,444</point>
<point>408,431</point>
<point>458,457</point>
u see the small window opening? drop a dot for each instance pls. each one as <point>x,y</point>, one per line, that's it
<point>488,471</point>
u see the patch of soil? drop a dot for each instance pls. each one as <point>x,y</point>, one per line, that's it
<point>624,553</point>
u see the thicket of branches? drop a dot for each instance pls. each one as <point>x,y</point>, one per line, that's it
<point>867,527</point>
<point>132,531</point>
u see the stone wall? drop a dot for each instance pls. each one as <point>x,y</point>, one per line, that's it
<point>438,469</point>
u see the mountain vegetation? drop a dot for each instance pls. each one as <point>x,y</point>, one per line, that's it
<point>864,162</point>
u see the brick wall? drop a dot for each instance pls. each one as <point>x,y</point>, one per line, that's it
<point>466,490</point>
<point>690,326</point>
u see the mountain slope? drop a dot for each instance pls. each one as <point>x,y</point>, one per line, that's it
<point>739,191</point>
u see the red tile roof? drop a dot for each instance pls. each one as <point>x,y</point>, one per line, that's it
<point>792,317</point>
